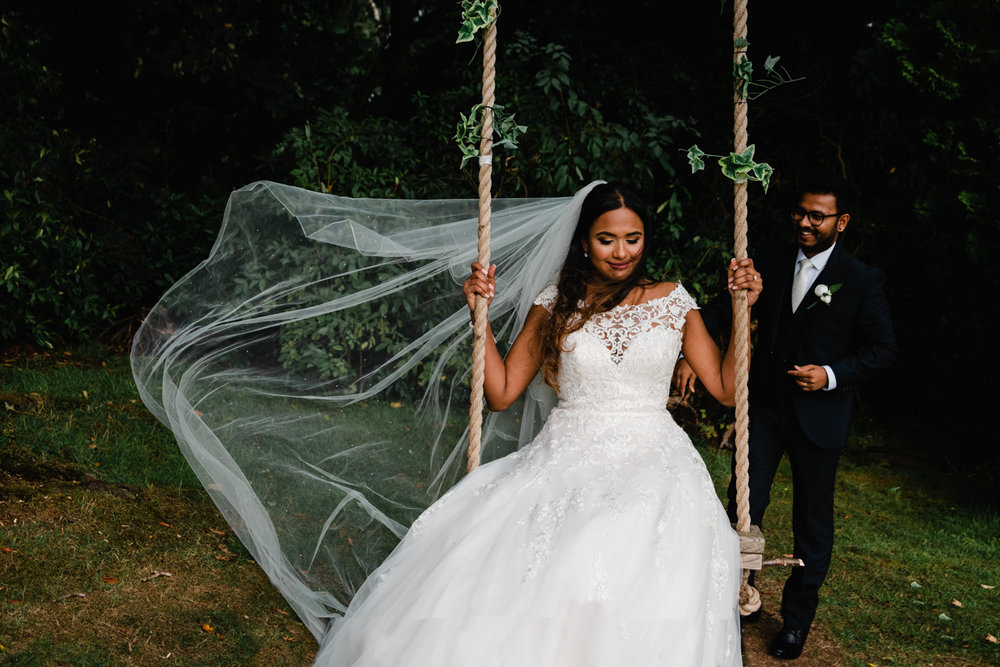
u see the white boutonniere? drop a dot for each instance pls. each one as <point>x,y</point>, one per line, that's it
<point>825,293</point>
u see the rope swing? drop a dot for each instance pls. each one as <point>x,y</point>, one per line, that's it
<point>751,538</point>
<point>479,320</point>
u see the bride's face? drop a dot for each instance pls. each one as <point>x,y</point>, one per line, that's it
<point>614,244</point>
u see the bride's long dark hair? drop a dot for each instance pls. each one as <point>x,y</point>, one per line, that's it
<point>578,273</point>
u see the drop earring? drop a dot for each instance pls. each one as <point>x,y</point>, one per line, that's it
<point>585,254</point>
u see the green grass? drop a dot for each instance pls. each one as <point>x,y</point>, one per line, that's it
<point>82,408</point>
<point>95,497</point>
<point>909,541</point>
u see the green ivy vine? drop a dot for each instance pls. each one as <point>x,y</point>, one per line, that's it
<point>469,132</point>
<point>478,15</point>
<point>740,167</point>
<point>746,87</point>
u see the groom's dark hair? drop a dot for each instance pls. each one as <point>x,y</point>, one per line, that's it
<point>847,201</point>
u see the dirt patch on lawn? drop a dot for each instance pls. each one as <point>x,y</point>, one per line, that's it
<point>820,650</point>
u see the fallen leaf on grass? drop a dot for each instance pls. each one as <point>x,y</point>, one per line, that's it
<point>110,580</point>
<point>229,555</point>
<point>6,550</point>
<point>914,584</point>
<point>71,595</point>
<point>157,573</point>
<point>164,523</point>
<point>956,603</point>
<point>987,587</point>
<point>944,617</point>
<point>207,628</point>
<point>290,639</point>
<point>217,532</point>
<point>991,639</point>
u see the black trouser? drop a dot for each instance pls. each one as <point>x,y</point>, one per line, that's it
<point>774,432</point>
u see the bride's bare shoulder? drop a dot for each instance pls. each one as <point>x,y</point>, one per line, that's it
<point>657,290</point>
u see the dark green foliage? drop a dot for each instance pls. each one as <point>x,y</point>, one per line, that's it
<point>373,156</point>
<point>124,128</point>
<point>931,198</point>
<point>346,347</point>
<point>47,264</point>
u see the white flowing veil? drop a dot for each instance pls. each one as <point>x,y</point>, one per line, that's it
<point>315,367</point>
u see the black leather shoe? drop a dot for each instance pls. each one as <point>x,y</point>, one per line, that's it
<point>752,617</point>
<point>788,643</point>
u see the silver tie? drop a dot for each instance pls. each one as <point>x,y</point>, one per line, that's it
<point>801,283</point>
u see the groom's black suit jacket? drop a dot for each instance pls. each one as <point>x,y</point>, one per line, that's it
<point>853,335</point>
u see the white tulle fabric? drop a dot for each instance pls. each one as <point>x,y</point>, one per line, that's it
<point>601,543</point>
<point>268,361</point>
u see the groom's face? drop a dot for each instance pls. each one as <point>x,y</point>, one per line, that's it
<point>814,237</point>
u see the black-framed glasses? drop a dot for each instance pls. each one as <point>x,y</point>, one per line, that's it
<point>815,217</point>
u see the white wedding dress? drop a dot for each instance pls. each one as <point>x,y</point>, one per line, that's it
<point>601,543</point>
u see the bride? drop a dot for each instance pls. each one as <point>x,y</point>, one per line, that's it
<point>312,369</point>
<point>601,542</point>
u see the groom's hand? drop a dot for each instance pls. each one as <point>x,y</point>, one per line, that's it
<point>809,377</point>
<point>684,377</point>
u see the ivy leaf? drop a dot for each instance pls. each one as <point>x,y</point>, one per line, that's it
<point>743,74</point>
<point>736,166</point>
<point>770,62</point>
<point>741,43</point>
<point>695,156</point>
<point>762,173</point>
<point>466,31</point>
<point>475,17</point>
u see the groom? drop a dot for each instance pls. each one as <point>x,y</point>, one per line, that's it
<point>823,328</point>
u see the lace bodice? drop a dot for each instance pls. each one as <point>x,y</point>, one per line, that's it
<point>622,359</point>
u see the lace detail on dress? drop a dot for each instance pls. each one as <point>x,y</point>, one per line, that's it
<point>547,298</point>
<point>596,374</point>
<point>620,325</point>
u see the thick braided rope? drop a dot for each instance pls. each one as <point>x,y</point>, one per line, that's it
<point>749,597</point>
<point>485,193</point>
